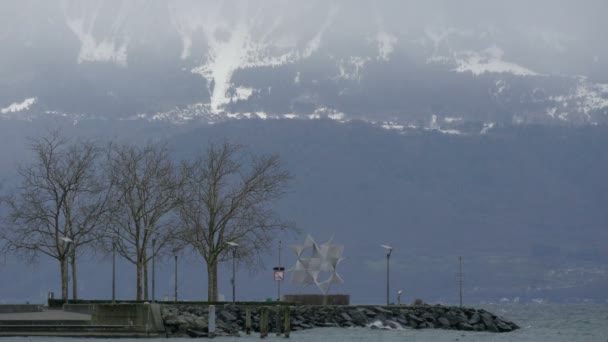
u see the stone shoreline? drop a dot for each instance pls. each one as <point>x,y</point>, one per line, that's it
<point>183,319</point>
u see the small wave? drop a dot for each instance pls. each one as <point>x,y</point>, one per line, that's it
<point>385,325</point>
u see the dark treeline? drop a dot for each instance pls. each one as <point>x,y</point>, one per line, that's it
<point>78,195</point>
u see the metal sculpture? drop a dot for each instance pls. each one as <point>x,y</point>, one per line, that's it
<point>323,259</point>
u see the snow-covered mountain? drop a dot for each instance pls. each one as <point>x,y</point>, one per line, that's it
<point>399,64</point>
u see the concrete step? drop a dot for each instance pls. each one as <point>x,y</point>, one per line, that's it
<point>77,330</point>
<point>45,322</point>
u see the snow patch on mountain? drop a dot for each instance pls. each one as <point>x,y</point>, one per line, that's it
<point>386,45</point>
<point>586,98</point>
<point>435,126</point>
<point>487,127</point>
<point>242,93</point>
<point>389,125</point>
<point>351,68</point>
<point>248,41</point>
<point>489,60</point>
<point>19,106</point>
<point>451,120</point>
<point>82,19</point>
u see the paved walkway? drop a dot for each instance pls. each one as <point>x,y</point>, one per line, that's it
<point>49,315</point>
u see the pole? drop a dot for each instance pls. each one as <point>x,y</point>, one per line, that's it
<point>287,321</point>
<point>175,296</point>
<point>114,270</point>
<point>388,256</point>
<point>67,268</point>
<point>248,320</point>
<point>278,281</point>
<point>233,275</point>
<point>460,279</point>
<point>153,267</point>
<point>263,322</point>
<point>278,320</point>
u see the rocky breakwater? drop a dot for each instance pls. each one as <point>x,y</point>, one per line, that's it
<point>181,320</point>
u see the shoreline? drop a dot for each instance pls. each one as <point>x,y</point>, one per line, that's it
<point>183,320</point>
<point>230,319</point>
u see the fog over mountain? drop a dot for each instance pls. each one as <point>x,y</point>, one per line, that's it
<point>446,128</point>
<point>393,61</point>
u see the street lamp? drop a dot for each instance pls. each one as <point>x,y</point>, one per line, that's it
<point>389,250</point>
<point>153,267</point>
<point>234,246</point>
<point>399,297</point>
<point>175,296</point>
<point>113,269</point>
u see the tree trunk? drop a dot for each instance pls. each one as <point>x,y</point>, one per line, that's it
<point>212,282</point>
<point>64,278</point>
<point>139,278</point>
<point>74,279</point>
<point>146,297</point>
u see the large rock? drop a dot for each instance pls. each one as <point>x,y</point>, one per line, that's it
<point>490,326</point>
<point>444,322</point>
<point>503,327</point>
<point>346,316</point>
<point>358,317</point>
<point>383,311</point>
<point>414,318</point>
<point>367,312</point>
<point>465,326</point>
<point>226,316</point>
<point>429,317</point>
<point>475,319</point>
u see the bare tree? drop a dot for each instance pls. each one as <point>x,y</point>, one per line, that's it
<point>58,204</point>
<point>144,187</point>
<point>227,199</point>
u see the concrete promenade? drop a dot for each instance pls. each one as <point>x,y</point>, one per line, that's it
<point>129,320</point>
<point>47,315</point>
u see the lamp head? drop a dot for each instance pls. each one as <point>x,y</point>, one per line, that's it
<point>388,248</point>
<point>66,239</point>
<point>232,244</point>
<point>399,292</point>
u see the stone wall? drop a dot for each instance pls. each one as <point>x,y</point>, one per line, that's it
<point>20,308</point>
<point>142,317</point>
<point>180,319</point>
<point>314,299</point>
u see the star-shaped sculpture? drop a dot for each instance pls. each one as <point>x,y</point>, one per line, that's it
<point>323,259</point>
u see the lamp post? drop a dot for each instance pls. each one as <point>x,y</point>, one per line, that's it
<point>114,270</point>
<point>389,250</point>
<point>399,297</point>
<point>279,282</point>
<point>234,246</point>
<point>175,295</point>
<point>153,267</point>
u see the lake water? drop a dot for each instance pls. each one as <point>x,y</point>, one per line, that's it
<point>546,322</point>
